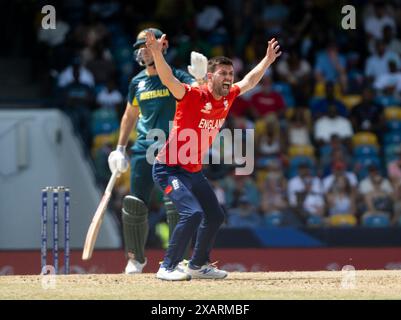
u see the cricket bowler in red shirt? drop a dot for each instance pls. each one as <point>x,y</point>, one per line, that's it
<point>200,113</point>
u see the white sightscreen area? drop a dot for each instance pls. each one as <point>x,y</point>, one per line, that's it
<point>37,149</point>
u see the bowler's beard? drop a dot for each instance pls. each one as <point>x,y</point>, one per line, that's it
<point>220,91</point>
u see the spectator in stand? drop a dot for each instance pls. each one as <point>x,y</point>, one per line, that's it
<point>390,41</point>
<point>333,124</point>
<point>320,107</point>
<point>374,23</point>
<point>110,98</point>
<point>341,201</point>
<point>274,16</point>
<point>209,18</point>
<point>105,10</point>
<point>236,186</point>
<point>299,127</point>
<point>332,153</point>
<point>67,75</point>
<point>79,102</point>
<point>273,192</point>
<point>394,168</point>
<point>394,174</point>
<point>388,96</point>
<point>91,31</point>
<point>244,216</point>
<point>377,193</point>
<point>274,189</point>
<point>377,64</point>
<point>294,70</point>
<point>269,144</point>
<point>331,65</point>
<point>98,51</point>
<point>392,78</point>
<point>305,193</point>
<point>101,68</point>
<point>267,100</point>
<point>339,170</point>
<point>355,76</point>
<point>367,115</point>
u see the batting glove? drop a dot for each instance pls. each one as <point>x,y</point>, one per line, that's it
<point>198,67</point>
<point>118,160</point>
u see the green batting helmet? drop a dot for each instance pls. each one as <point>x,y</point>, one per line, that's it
<point>141,38</point>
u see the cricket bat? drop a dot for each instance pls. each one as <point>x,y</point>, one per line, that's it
<point>98,219</point>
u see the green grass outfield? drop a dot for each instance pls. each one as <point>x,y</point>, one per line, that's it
<point>362,284</point>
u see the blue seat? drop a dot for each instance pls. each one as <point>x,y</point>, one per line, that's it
<point>376,220</point>
<point>362,163</point>
<point>393,125</point>
<point>314,221</point>
<point>263,162</point>
<point>273,219</point>
<point>296,161</point>
<point>325,150</point>
<point>391,149</point>
<point>387,101</point>
<point>366,150</point>
<point>392,138</point>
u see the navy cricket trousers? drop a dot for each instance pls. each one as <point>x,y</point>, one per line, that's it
<point>198,208</point>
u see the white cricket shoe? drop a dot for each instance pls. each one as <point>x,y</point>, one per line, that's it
<point>207,271</point>
<point>134,266</point>
<point>183,265</point>
<point>176,274</point>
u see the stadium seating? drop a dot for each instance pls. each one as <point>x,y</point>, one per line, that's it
<point>315,221</point>
<point>366,151</point>
<point>273,219</point>
<point>365,138</point>
<point>392,113</point>
<point>342,220</point>
<point>351,100</point>
<point>392,138</point>
<point>376,220</point>
<point>361,165</point>
<point>301,150</point>
<point>296,161</point>
<point>390,152</point>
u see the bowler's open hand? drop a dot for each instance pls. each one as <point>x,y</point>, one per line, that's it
<point>273,50</point>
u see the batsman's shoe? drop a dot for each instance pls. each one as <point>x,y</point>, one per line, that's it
<point>134,266</point>
<point>176,274</point>
<point>207,271</point>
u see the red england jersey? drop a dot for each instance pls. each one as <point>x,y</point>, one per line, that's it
<point>197,121</point>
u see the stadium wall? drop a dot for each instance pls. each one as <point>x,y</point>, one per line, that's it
<point>250,259</point>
